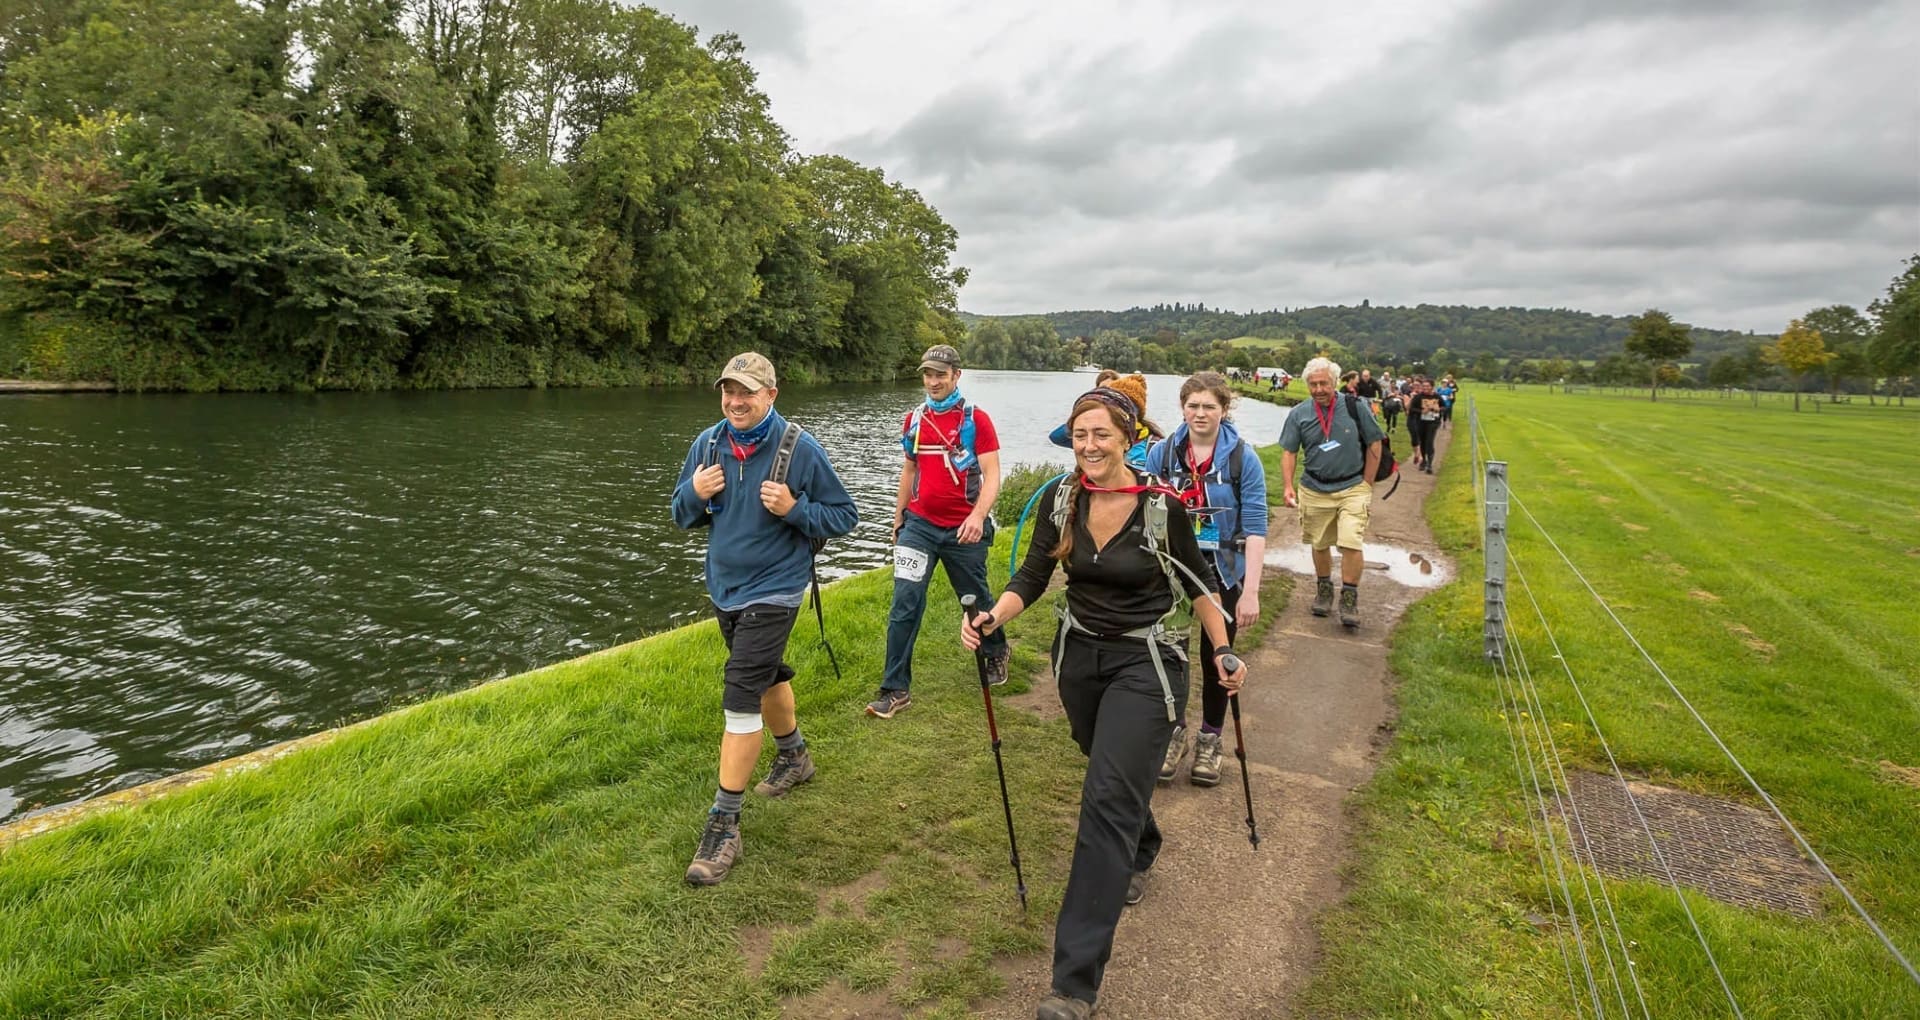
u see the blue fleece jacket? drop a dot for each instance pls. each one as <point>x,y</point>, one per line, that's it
<point>754,557</point>
<point>1242,516</point>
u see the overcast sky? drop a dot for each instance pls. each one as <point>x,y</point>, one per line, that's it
<point>1735,163</point>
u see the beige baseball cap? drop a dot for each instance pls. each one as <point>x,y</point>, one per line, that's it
<point>751,370</point>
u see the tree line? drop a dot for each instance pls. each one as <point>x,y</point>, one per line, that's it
<point>212,194</point>
<point>1841,348</point>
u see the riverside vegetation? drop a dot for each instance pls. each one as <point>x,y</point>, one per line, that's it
<point>518,849</point>
<point>1767,561</point>
<point>207,194</point>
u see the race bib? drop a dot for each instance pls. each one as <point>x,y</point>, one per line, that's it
<point>1329,446</point>
<point>1207,534</point>
<point>961,459</point>
<point>1429,416</point>
<point>910,564</point>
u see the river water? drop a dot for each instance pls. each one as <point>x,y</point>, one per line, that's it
<point>184,578</point>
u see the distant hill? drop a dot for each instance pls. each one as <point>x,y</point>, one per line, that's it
<point>1410,332</point>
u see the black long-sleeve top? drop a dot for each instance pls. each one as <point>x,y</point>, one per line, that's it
<point>1121,587</point>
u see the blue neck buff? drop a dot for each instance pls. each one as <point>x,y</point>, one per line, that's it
<point>952,401</point>
<point>754,434</point>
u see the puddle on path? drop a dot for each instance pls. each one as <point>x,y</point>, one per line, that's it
<point>1413,569</point>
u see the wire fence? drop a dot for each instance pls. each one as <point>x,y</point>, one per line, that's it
<point>1601,972</point>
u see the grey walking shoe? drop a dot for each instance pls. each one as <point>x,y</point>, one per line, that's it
<point>1323,597</point>
<point>1349,607</point>
<point>790,769</point>
<point>719,848</point>
<point>1176,750</point>
<point>997,669</point>
<point>1063,1007</point>
<point>1136,888</point>
<point>888,703</point>
<point>1206,760</point>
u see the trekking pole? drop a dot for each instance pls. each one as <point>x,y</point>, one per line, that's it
<point>1232,664</point>
<point>993,730</point>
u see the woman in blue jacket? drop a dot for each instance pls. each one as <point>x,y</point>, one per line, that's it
<point>1214,468</point>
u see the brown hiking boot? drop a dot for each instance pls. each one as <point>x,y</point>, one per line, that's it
<point>1349,607</point>
<point>1063,1007</point>
<point>719,848</point>
<point>997,669</point>
<point>790,769</point>
<point>1323,597</point>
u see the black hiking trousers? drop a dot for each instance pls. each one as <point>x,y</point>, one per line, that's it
<point>1118,716</point>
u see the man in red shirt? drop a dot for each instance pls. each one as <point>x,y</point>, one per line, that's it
<point>940,514</point>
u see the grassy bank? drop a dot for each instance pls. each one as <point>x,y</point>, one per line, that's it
<point>518,850</point>
<point>1768,561</point>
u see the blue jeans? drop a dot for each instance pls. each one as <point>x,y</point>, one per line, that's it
<point>920,545</point>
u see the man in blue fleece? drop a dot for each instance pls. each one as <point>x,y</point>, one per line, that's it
<point>757,570</point>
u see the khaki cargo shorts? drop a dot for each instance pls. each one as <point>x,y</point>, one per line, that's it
<point>1335,518</point>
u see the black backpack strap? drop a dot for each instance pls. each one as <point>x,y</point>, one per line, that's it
<point>783,457</point>
<point>782,463</point>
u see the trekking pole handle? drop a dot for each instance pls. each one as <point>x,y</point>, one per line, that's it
<point>1231,662</point>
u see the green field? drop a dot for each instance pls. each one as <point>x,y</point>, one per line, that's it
<point>518,850</point>
<point>1313,339</point>
<point>1768,561</point>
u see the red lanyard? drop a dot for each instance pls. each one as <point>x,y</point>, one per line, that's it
<point>1132,490</point>
<point>1326,420</point>
<point>741,453</point>
<point>1197,496</point>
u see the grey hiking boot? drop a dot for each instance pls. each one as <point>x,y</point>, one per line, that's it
<point>1063,1007</point>
<point>1176,750</point>
<point>1206,760</point>
<point>1349,607</point>
<point>719,848</point>
<point>997,669</point>
<point>790,769</point>
<point>1136,888</point>
<point>888,703</point>
<point>1323,597</point>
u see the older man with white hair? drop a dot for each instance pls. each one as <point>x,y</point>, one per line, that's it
<point>1341,439</point>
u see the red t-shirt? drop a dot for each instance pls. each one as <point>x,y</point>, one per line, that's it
<point>940,493</point>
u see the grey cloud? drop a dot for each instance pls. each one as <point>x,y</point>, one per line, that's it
<point>768,27</point>
<point>1505,158</point>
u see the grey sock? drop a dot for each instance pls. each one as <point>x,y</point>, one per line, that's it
<point>791,742</point>
<point>727,802</point>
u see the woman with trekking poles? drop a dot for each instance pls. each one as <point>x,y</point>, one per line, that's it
<point>1215,471</point>
<point>1130,554</point>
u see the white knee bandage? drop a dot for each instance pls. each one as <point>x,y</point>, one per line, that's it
<point>743,722</point>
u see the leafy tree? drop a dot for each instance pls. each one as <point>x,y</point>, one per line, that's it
<point>1655,338</point>
<point>1895,346</point>
<point>1799,350</point>
<point>1845,332</point>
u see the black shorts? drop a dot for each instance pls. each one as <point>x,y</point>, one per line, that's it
<point>756,640</point>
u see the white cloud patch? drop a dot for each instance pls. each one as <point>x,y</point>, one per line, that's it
<point>1736,162</point>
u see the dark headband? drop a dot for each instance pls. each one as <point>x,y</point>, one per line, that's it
<point>1115,399</point>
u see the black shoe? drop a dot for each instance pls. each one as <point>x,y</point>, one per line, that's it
<point>1323,597</point>
<point>1136,887</point>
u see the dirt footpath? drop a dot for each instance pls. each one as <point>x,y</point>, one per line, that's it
<point>1227,931</point>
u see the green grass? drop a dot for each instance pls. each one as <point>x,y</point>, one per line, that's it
<point>518,850</point>
<point>1768,561</point>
